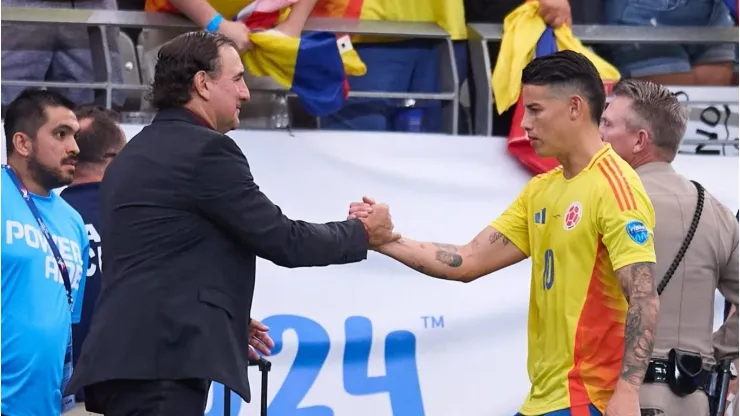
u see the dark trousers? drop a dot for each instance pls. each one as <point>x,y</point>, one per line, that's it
<point>148,397</point>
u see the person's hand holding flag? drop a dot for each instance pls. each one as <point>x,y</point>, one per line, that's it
<point>313,65</point>
<point>237,32</point>
<point>556,13</point>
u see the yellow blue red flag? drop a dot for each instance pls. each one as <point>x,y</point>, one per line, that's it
<point>314,66</point>
<point>526,36</point>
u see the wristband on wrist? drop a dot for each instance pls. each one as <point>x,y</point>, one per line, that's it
<point>214,24</point>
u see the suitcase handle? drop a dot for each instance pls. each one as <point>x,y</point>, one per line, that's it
<point>264,367</point>
<point>263,364</point>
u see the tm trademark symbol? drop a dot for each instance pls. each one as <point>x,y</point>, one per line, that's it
<point>433,322</point>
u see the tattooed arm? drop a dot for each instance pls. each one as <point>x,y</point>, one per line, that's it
<point>489,251</point>
<point>642,318</point>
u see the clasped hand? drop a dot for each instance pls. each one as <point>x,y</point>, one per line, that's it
<point>377,221</point>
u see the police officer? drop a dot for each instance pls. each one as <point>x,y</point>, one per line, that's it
<point>645,124</point>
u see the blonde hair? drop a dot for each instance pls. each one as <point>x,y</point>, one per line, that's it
<point>655,109</point>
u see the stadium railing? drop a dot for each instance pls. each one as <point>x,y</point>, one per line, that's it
<point>99,21</point>
<point>480,34</point>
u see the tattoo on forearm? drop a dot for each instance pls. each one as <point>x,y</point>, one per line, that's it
<point>642,316</point>
<point>498,236</point>
<point>447,254</point>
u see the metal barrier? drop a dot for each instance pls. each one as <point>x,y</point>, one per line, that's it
<point>480,34</point>
<point>98,21</point>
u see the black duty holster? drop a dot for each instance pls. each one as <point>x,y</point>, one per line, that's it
<point>685,372</point>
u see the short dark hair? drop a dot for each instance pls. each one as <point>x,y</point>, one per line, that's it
<point>102,138</point>
<point>27,113</point>
<point>572,70</point>
<point>177,63</point>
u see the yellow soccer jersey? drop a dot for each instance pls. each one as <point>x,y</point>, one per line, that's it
<point>578,231</point>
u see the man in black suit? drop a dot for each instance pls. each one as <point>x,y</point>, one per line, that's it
<point>183,222</point>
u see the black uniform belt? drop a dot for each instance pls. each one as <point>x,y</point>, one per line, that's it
<point>657,372</point>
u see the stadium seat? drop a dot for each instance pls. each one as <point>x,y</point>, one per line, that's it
<point>130,70</point>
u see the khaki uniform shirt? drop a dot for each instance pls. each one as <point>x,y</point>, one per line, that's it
<point>711,262</point>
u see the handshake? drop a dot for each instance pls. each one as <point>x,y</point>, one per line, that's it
<point>376,219</point>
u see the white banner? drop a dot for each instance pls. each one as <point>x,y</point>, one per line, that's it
<point>376,338</point>
<point>713,117</point>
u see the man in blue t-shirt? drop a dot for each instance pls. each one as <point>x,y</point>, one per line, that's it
<point>36,320</point>
<point>99,140</point>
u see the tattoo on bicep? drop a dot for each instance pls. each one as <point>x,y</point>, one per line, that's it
<point>498,236</point>
<point>447,254</point>
<point>637,280</point>
<point>642,314</point>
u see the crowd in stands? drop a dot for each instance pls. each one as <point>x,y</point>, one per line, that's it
<point>60,53</point>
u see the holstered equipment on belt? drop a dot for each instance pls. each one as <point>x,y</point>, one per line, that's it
<point>723,372</point>
<point>683,372</point>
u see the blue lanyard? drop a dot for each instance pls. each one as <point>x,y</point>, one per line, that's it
<point>44,229</point>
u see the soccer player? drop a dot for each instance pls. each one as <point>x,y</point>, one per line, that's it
<point>587,226</point>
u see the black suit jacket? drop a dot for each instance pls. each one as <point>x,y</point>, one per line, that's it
<point>183,223</point>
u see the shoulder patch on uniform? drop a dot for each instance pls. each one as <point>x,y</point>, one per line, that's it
<point>637,231</point>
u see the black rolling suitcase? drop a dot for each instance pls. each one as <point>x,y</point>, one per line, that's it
<point>264,367</point>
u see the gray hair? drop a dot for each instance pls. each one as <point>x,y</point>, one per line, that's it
<point>655,109</point>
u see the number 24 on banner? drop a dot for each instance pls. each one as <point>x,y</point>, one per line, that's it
<point>400,382</point>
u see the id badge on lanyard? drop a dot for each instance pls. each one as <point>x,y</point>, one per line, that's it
<point>68,402</point>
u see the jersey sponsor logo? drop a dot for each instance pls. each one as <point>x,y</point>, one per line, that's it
<point>637,231</point>
<point>572,216</point>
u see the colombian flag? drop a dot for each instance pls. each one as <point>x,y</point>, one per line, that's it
<point>526,37</point>
<point>314,66</point>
